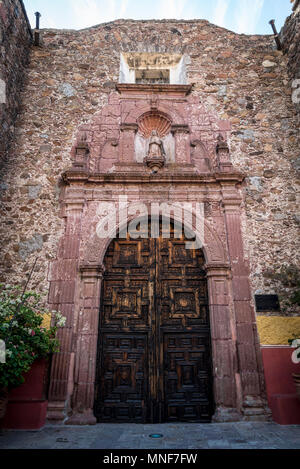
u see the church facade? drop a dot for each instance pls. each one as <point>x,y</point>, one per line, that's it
<point>125,126</point>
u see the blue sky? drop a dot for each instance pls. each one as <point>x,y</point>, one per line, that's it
<point>241,16</point>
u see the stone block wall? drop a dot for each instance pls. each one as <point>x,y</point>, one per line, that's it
<point>244,79</point>
<point>15,40</point>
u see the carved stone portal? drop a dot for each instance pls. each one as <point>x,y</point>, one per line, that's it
<point>180,122</point>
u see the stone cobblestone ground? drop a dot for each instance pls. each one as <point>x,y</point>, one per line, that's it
<point>238,435</point>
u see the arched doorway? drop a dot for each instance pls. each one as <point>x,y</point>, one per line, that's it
<point>154,358</point>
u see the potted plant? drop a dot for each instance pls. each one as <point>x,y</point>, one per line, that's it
<point>24,336</point>
<point>295,343</point>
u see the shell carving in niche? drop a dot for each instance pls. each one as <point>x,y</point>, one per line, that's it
<point>154,121</point>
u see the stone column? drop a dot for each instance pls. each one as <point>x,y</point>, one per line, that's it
<point>182,143</point>
<point>127,137</point>
<point>248,351</point>
<point>86,346</point>
<point>63,275</point>
<point>223,343</point>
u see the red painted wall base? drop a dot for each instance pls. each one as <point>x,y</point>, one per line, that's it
<point>281,390</point>
<point>27,404</point>
<point>286,409</point>
<point>22,415</point>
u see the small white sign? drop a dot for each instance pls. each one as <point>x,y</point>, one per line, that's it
<point>295,357</point>
<point>296,92</point>
<point>2,92</point>
<point>2,352</point>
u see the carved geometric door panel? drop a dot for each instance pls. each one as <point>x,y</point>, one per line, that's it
<point>154,343</point>
<point>186,377</point>
<point>123,387</point>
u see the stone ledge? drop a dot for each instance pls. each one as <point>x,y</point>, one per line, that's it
<point>182,177</point>
<point>180,90</point>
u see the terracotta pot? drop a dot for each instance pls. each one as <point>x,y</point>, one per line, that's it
<point>3,401</point>
<point>296,378</point>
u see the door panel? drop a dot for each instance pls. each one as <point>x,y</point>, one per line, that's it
<point>186,380</point>
<point>154,343</point>
<point>123,387</point>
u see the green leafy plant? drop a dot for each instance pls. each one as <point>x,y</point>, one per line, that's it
<point>22,318</point>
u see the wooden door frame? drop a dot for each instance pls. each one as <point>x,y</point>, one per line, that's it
<point>157,331</point>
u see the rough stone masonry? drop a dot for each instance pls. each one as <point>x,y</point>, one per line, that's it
<point>242,78</point>
<point>74,146</point>
<point>15,41</point>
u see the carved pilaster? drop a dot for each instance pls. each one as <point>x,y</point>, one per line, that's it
<point>86,346</point>
<point>63,275</point>
<point>250,369</point>
<point>222,338</point>
<point>182,143</point>
<point>128,131</point>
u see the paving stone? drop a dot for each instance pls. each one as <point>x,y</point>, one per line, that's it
<point>240,435</point>
<point>218,444</point>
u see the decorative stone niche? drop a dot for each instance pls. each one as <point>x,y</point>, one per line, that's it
<point>161,123</point>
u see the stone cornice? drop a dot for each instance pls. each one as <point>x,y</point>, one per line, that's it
<point>230,176</point>
<point>179,90</point>
<point>75,177</point>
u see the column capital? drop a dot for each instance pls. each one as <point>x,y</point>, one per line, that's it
<point>218,270</point>
<point>129,126</point>
<point>74,205</point>
<point>232,203</point>
<point>91,271</point>
<point>180,128</point>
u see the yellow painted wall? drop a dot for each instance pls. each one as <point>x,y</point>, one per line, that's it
<point>276,330</point>
<point>46,321</point>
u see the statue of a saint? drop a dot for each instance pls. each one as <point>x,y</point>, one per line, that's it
<point>156,148</point>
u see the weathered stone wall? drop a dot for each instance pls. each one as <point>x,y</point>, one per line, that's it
<point>242,78</point>
<point>290,37</point>
<point>15,39</point>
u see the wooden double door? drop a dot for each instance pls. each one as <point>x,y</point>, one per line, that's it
<point>154,360</point>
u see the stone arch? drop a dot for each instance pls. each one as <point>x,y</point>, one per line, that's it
<point>133,304</point>
<point>212,245</point>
